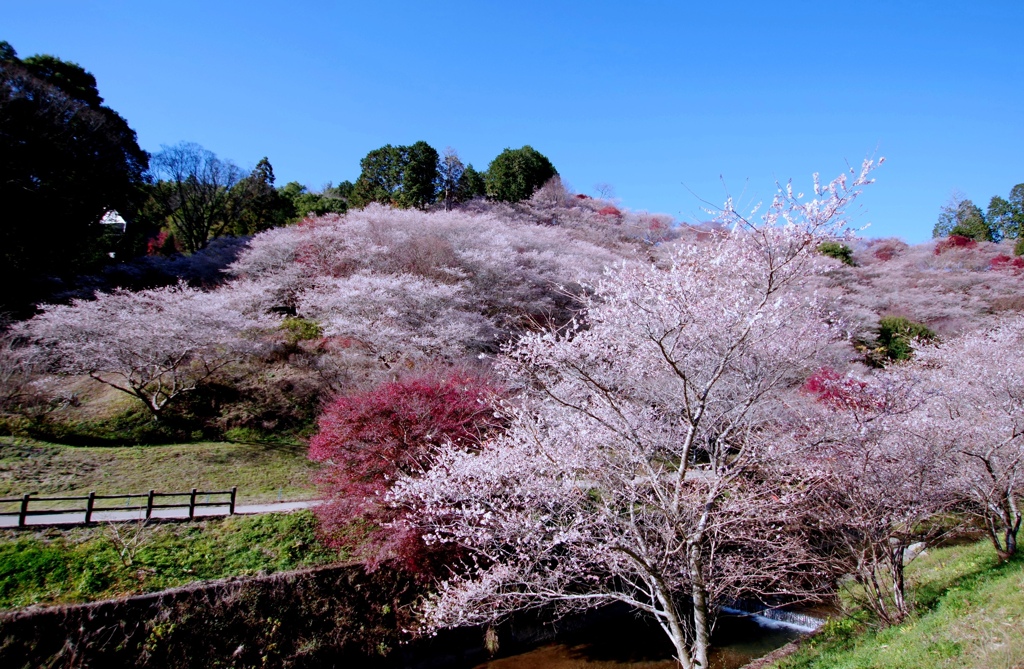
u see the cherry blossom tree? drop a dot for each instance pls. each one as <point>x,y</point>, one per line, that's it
<point>395,318</point>
<point>647,470</point>
<point>877,478</point>
<point>977,413</point>
<point>153,344</point>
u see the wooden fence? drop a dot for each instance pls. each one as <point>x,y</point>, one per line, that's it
<point>151,498</point>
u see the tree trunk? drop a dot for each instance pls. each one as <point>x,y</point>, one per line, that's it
<point>701,627</point>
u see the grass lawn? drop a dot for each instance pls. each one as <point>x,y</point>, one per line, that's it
<point>51,566</point>
<point>262,472</point>
<point>970,614</point>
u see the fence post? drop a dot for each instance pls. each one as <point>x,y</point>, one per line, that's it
<point>149,506</point>
<point>192,504</point>
<point>231,509</point>
<point>88,507</point>
<point>24,509</point>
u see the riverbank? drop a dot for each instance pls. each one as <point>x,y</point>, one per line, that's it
<point>969,614</point>
<point>75,565</point>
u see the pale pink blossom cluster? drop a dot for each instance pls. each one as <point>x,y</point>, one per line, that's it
<point>152,344</point>
<point>406,285</point>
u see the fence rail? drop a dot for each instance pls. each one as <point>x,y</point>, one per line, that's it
<point>91,508</point>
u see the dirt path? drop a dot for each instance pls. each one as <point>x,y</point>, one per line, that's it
<point>58,518</point>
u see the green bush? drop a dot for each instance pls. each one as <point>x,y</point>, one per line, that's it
<point>516,174</point>
<point>300,329</point>
<point>839,251</point>
<point>895,333</point>
<point>1018,248</point>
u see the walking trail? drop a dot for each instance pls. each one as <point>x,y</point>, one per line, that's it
<point>58,518</point>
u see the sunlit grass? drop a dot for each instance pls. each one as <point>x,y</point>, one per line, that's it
<point>262,472</point>
<point>51,566</point>
<point>970,613</point>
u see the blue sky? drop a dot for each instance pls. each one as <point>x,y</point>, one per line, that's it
<point>663,100</point>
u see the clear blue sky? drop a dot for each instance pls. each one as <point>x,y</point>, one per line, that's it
<point>656,98</point>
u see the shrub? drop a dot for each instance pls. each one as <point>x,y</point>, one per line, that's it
<point>300,329</point>
<point>955,242</point>
<point>836,250</point>
<point>1003,261</point>
<point>517,173</point>
<point>610,211</point>
<point>895,334</point>
<point>367,439</point>
<point>1018,248</point>
<point>837,391</point>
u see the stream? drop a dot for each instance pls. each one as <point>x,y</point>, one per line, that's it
<point>627,642</point>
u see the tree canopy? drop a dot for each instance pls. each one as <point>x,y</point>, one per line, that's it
<point>517,173</point>
<point>961,217</point>
<point>65,159</point>
<point>258,205</point>
<point>404,176</point>
<point>197,190</point>
<point>1007,215</point>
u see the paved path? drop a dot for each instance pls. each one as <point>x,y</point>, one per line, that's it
<point>58,518</point>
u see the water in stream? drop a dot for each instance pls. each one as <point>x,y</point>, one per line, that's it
<point>631,643</point>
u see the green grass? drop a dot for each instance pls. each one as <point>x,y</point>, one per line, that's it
<point>86,564</point>
<point>969,613</point>
<point>262,472</point>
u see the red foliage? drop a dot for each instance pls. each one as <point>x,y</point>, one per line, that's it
<point>1003,261</point>
<point>887,249</point>
<point>839,392</point>
<point>581,196</point>
<point>162,244</point>
<point>955,242</point>
<point>610,211</point>
<point>367,438</point>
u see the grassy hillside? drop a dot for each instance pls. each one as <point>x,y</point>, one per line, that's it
<point>970,613</point>
<point>85,564</point>
<point>262,472</point>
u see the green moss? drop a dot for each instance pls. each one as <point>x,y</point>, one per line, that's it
<point>84,564</point>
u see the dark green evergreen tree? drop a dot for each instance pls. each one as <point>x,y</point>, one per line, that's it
<point>1007,215</point>
<point>419,176</point>
<point>960,216</point>
<point>381,177</point>
<point>65,160</point>
<point>259,206</point>
<point>471,185</point>
<point>517,173</point>
<point>402,176</point>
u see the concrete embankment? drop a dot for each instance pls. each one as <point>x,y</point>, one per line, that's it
<point>336,616</point>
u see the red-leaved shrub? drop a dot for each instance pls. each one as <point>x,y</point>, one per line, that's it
<point>886,249</point>
<point>839,392</point>
<point>955,242</point>
<point>1003,261</point>
<point>163,244</point>
<point>366,439</point>
<point>610,211</point>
